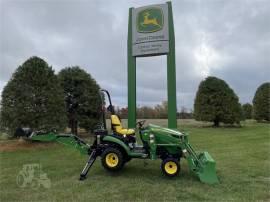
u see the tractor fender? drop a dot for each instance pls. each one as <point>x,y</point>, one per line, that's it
<point>118,142</point>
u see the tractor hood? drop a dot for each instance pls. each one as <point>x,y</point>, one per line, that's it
<point>163,130</point>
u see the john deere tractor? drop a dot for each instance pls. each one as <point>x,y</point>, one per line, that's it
<point>118,147</point>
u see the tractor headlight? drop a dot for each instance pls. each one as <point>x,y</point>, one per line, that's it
<point>185,153</point>
<point>152,138</point>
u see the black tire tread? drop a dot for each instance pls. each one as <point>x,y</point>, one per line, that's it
<point>120,159</point>
<point>163,166</point>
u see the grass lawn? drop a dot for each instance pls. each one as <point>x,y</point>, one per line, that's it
<point>242,156</point>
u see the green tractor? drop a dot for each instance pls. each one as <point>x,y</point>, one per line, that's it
<point>121,145</point>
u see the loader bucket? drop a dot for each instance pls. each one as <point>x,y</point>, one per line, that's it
<point>202,164</point>
<point>207,169</point>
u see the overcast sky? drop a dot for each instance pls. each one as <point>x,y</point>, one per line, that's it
<point>229,39</point>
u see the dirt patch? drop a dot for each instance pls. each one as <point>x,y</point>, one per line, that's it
<point>21,144</point>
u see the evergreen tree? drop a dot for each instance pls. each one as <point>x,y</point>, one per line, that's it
<point>247,111</point>
<point>33,98</point>
<point>83,102</point>
<point>261,103</point>
<point>216,102</point>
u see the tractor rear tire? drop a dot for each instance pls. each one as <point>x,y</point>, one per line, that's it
<point>112,159</point>
<point>170,167</point>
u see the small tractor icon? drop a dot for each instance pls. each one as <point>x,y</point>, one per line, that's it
<point>33,176</point>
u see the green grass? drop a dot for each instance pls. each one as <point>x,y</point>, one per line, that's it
<point>243,167</point>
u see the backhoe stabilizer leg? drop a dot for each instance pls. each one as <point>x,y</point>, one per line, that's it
<point>88,165</point>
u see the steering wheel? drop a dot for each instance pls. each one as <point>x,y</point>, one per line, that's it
<point>141,123</point>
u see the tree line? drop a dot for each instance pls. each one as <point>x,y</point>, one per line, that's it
<point>216,102</point>
<point>37,97</point>
<point>158,111</point>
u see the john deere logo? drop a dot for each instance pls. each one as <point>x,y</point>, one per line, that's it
<point>150,20</point>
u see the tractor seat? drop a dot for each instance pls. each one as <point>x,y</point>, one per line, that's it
<point>117,127</point>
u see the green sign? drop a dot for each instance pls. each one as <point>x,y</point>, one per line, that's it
<point>151,33</point>
<point>150,30</point>
<point>150,20</point>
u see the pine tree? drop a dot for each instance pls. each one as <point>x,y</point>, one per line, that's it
<point>261,103</point>
<point>83,102</point>
<point>216,102</point>
<point>33,98</point>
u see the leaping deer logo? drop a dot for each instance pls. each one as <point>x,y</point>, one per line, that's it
<point>149,21</point>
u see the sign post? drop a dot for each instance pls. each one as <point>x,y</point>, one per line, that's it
<point>151,33</point>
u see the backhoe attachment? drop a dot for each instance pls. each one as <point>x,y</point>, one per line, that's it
<point>72,141</point>
<point>69,140</point>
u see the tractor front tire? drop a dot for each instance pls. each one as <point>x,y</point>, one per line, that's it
<point>112,159</point>
<point>170,167</point>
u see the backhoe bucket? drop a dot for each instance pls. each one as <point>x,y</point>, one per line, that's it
<point>207,169</point>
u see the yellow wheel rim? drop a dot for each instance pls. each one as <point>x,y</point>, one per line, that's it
<point>170,167</point>
<point>112,160</point>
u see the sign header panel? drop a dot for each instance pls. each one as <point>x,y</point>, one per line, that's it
<point>150,34</point>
